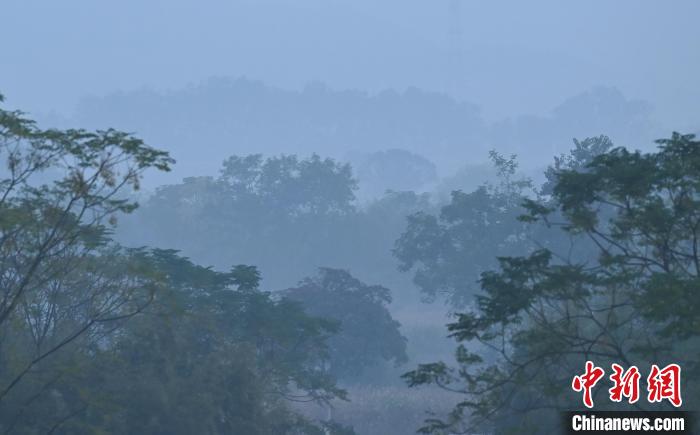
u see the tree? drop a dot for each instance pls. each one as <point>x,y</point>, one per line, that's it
<point>278,213</point>
<point>578,159</point>
<point>212,353</point>
<point>294,187</point>
<point>542,315</point>
<point>449,251</point>
<point>367,333</point>
<point>62,284</point>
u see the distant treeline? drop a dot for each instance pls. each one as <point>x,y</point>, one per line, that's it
<point>203,124</point>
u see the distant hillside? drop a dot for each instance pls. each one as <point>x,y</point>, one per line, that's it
<point>201,125</point>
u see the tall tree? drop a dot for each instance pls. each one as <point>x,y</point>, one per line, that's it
<point>211,354</point>
<point>367,334</point>
<point>447,252</point>
<point>278,213</point>
<point>61,283</point>
<point>542,315</point>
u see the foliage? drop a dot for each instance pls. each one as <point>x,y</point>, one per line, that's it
<point>313,186</point>
<point>544,315</point>
<point>367,333</point>
<point>578,159</point>
<point>63,285</point>
<point>448,252</point>
<point>96,338</point>
<point>211,354</point>
<point>260,213</point>
<point>222,347</point>
<point>276,213</point>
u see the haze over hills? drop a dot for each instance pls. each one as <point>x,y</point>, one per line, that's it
<point>202,125</point>
<point>516,57</point>
<point>353,77</point>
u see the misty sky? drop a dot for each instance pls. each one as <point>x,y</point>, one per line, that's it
<point>516,56</point>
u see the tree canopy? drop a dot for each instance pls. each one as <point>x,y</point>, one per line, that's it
<point>367,333</point>
<point>447,252</point>
<point>98,338</point>
<point>64,285</point>
<point>543,314</point>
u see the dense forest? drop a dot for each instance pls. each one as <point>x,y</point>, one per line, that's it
<point>270,299</point>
